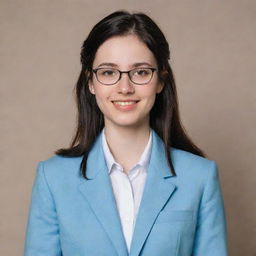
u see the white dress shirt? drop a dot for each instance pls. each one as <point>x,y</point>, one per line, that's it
<point>127,188</point>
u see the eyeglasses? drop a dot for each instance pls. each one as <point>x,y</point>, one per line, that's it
<point>110,76</point>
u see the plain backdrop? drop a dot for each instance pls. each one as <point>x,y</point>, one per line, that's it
<point>213,52</point>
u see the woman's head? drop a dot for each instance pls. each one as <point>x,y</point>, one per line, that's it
<point>164,114</point>
<point>122,24</point>
<point>125,99</point>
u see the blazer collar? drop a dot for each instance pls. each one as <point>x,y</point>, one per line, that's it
<point>99,194</point>
<point>96,160</point>
<point>158,189</point>
<point>97,190</point>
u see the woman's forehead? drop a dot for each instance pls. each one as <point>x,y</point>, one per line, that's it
<point>126,50</point>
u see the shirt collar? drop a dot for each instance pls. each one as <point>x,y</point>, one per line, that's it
<point>144,159</point>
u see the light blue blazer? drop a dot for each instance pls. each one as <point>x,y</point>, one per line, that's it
<point>179,215</point>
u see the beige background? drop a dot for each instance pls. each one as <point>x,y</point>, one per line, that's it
<point>213,47</point>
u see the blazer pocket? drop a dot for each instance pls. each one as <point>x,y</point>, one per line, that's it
<point>173,216</point>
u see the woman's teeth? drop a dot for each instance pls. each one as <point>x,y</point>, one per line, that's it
<point>124,103</point>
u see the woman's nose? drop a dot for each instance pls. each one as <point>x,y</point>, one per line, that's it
<point>125,85</point>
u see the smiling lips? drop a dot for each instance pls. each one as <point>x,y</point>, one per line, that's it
<point>125,105</point>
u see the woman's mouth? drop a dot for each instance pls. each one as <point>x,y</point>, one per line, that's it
<point>125,105</point>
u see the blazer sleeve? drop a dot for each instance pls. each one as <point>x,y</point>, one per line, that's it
<point>211,231</point>
<point>42,236</point>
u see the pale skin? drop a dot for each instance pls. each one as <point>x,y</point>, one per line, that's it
<point>127,131</point>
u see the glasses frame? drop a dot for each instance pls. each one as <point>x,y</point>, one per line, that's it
<point>122,72</point>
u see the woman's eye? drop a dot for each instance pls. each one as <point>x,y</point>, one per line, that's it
<point>107,72</point>
<point>142,72</point>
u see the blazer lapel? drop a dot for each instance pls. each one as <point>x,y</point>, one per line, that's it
<point>99,194</point>
<point>158,189</point>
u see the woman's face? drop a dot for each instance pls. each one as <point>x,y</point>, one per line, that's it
<point>125,104</point>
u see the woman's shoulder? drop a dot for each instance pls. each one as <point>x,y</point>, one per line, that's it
<point>189,164</point>
<point>186,156</point>
<point>56,166</point>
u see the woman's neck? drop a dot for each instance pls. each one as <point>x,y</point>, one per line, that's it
<point>127,144</point>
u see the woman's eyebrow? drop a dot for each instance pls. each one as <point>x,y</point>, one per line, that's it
<point>141,64</point>
<point>136,64</point>
<point>108,64</point>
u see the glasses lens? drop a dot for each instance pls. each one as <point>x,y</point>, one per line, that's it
<point>141,75</point>
<point>107,75</point>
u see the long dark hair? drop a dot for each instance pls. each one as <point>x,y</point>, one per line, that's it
<point>164,116</point>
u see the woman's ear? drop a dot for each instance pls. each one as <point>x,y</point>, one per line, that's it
<point>161,81</point>
<point>160,87</point>
<point>91,87</point>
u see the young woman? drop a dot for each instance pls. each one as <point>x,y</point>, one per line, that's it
<point>132,182</point>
